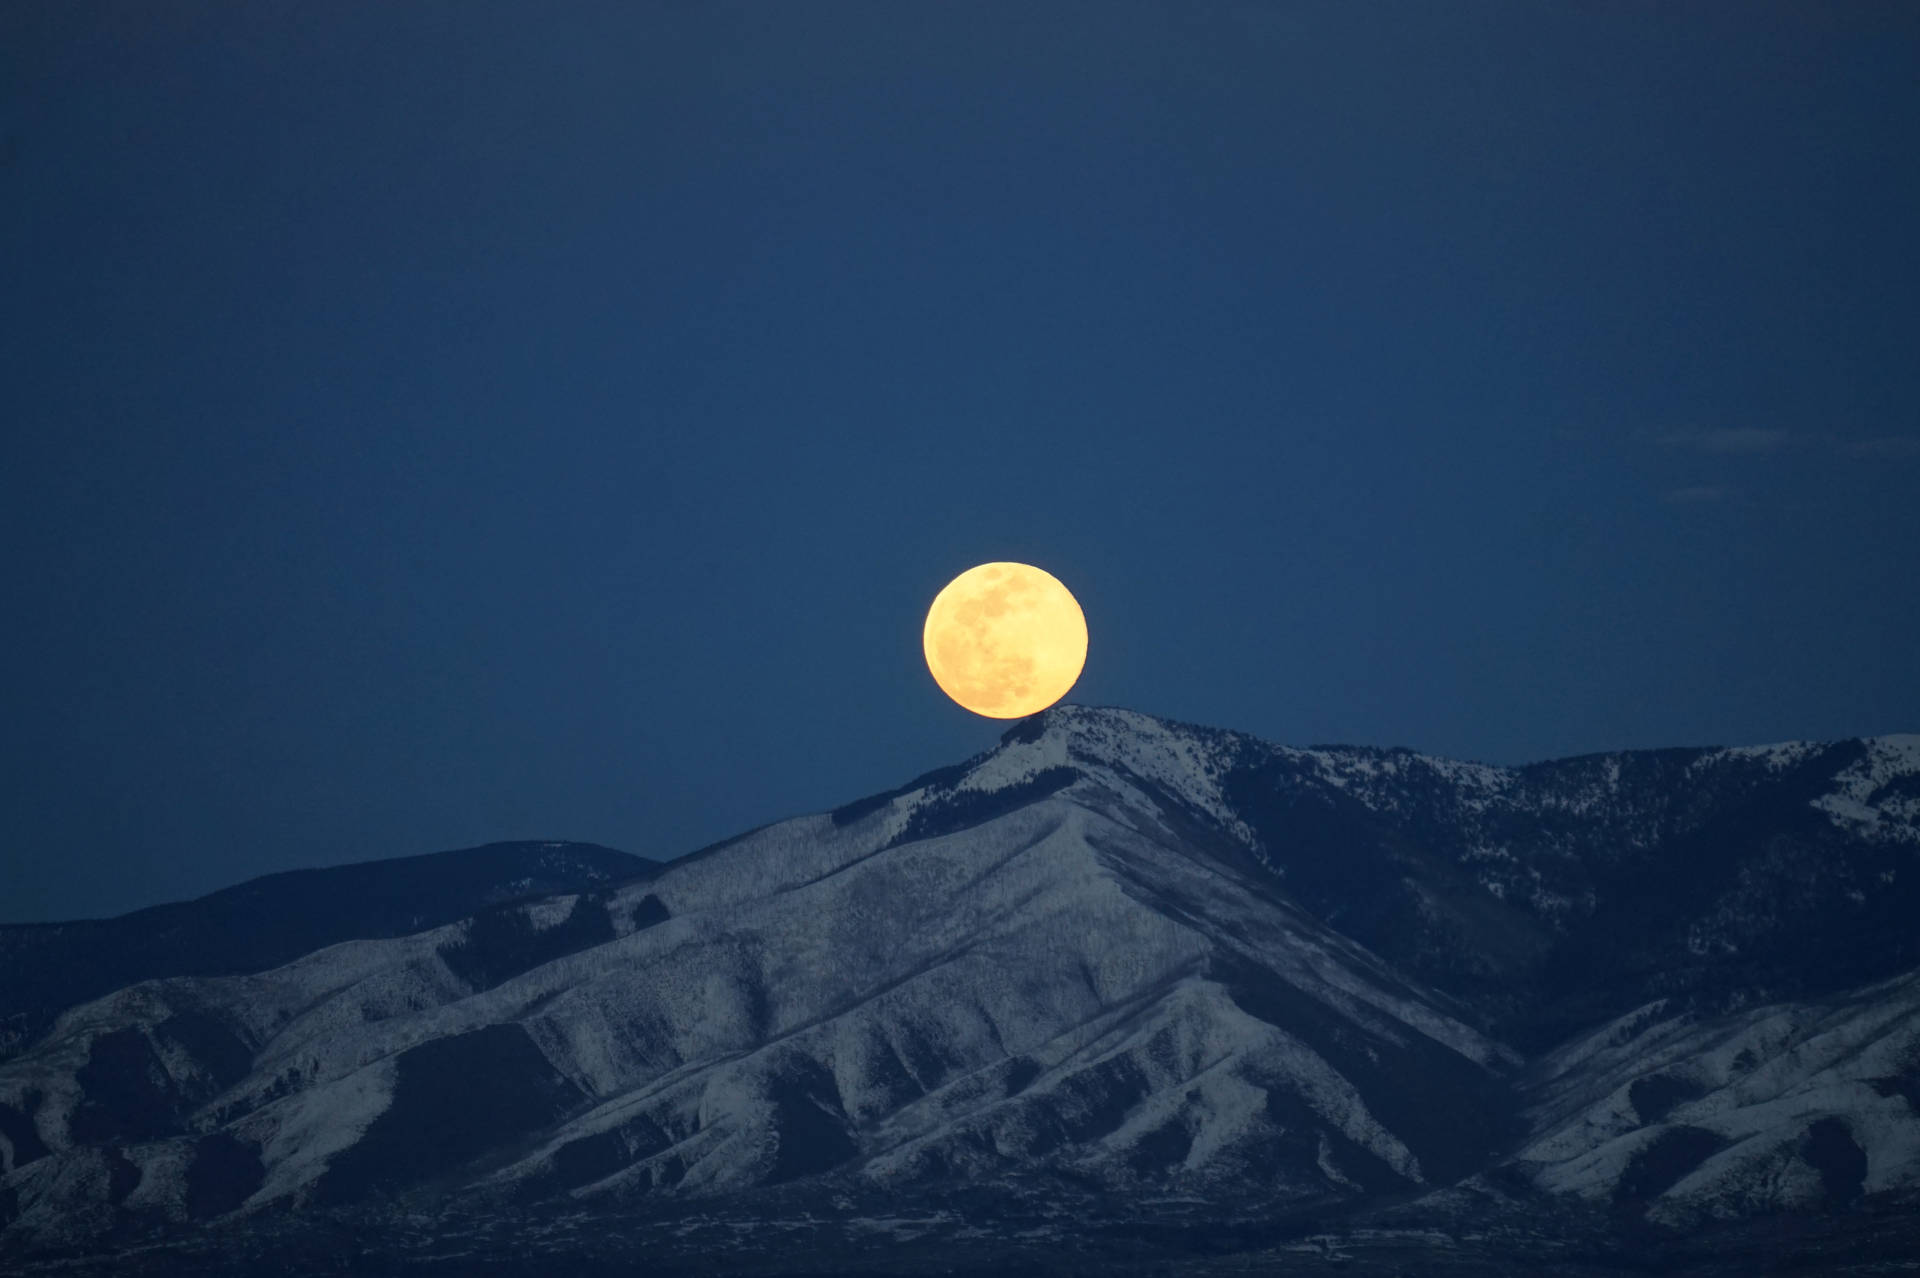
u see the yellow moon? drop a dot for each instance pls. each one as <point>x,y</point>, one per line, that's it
<point>1005,640</point>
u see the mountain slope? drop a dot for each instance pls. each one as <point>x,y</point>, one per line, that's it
<point>268,921</point>
<point>1686,1118</point>
<point>1557,895</point>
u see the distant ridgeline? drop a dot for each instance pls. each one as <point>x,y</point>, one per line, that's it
<point>268,921</point>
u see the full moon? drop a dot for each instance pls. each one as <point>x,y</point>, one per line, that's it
<point>1005,640</point>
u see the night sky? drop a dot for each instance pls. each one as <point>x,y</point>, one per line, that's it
<point>434,423</point>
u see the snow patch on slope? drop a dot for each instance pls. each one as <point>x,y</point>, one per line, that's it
<point>300,1135</point>
<point>1777,757</point>
<point>1878,796</point>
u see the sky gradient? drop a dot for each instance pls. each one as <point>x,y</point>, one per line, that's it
<point>440,422</point>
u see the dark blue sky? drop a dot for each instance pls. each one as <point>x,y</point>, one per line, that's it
<point>431,423</point>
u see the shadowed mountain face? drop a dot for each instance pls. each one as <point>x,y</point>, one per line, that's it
<point>1137,959</point>
<point>1554,896</point>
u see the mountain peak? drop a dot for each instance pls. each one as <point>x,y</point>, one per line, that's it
<point>1152,766</point>
<point>1092,724</point>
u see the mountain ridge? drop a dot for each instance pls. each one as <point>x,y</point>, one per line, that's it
<point>1168,962</point>
<point>262,922</point>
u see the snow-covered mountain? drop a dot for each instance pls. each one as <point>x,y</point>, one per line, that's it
<point>268,921</point>
<point>1691,1118</point>
<point>1155,962</point>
